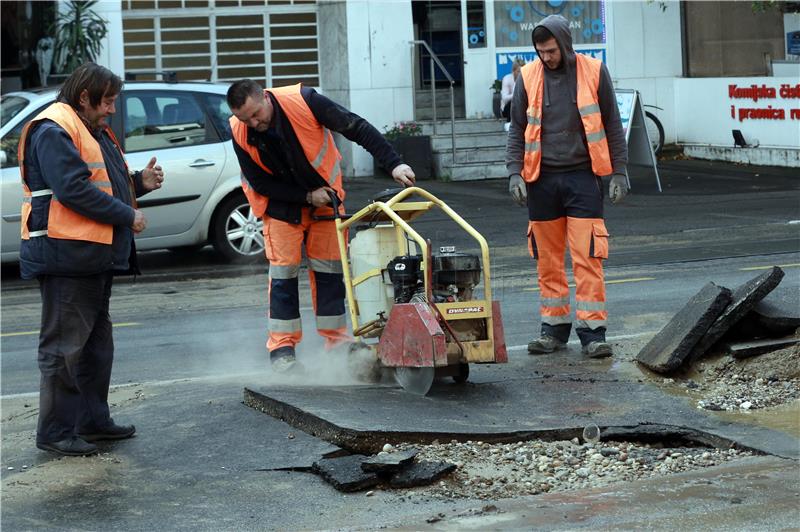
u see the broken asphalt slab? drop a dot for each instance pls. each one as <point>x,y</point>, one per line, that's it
<point>363,418</point>
<point>744,298</point>
<point>345,473</point>
<point>421,474</point>
<point>742,350</point>
<point>670,347</point>
<point>384,462</point>
<point>779,312</point>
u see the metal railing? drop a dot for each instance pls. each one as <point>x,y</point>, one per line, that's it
<point>435,59</point>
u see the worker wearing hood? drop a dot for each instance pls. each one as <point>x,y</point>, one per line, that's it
<point>565,137</point>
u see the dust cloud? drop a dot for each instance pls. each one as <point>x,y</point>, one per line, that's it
<point>342,366</point>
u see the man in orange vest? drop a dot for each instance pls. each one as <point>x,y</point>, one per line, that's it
<point>79,216</point>
<point>565,137</point>
<point>290,167</point>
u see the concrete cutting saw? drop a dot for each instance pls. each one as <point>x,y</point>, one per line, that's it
<point>417,311</point>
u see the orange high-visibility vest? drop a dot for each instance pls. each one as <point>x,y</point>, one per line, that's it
<point>588,72</point>
<point>62,222</point>
<point>316,140</point>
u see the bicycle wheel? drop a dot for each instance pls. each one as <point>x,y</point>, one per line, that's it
<point>655,131</point>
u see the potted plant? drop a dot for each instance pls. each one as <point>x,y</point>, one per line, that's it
<point>79,34</point>
<point>497,86</point>
<point>415,148</point>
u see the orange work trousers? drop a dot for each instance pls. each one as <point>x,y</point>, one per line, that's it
<point>283,243</point>
<point>567,209</point>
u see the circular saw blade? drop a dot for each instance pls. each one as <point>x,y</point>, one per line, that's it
<point>415,380</point>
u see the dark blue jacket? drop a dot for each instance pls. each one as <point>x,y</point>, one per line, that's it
<point>52,161</point>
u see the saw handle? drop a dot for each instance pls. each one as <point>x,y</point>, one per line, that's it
<point>335,203</point>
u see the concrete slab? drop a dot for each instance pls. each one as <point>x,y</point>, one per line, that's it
<point>364,418</point>
<point>669,348</point>
<point>744,298</point>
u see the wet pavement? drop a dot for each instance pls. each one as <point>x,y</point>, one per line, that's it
<point>191,332</point>
<point>758,493</point>
<point>550,397</point>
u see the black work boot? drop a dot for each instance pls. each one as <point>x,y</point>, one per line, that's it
<point>72,446</point>
<point>111,432</point>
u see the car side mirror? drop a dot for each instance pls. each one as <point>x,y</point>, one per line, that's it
<point>3,157</point>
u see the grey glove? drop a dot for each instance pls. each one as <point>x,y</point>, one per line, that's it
<point>518,189</point>
<point>617,188</point>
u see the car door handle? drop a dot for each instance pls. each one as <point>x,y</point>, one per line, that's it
<point>200,163</point>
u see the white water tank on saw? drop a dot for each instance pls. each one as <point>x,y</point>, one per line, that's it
<point>372,249</point>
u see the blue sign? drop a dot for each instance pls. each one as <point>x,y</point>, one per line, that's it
<point>506,59</point>
<point>793,43</point>
<point>514,20</point>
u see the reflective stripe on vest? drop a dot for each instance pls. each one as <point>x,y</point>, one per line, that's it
<point>64,223</point>
<point>316,140</point>
<point>588,79</point>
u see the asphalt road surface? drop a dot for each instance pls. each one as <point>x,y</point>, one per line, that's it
<point>190,316</point>
<point>191,331</point>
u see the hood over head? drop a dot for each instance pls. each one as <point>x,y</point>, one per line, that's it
<point>558,26</point>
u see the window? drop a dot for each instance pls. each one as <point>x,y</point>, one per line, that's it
<point>157,120</point>
<point>476,24</point>
<point>10,106</point>
<point>219,112</point>
<point>10,142</point>
<point>740,42</point>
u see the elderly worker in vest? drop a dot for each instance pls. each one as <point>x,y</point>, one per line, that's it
<point>78,220</point>
<point>566,136</point>
<point>290,165</point>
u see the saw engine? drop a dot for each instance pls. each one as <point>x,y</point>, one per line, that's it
<point>455,275</point>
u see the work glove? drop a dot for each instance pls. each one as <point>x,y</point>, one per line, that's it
<point>617,188</point>
<point>518,189</point>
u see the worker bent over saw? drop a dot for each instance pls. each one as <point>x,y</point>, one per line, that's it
<point>290,164</point>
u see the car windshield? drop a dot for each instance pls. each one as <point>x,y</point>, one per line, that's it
<point>10,106</point>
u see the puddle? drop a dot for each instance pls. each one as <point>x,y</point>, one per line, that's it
<point>785,418</point>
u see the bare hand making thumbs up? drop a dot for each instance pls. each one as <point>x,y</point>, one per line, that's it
<point>152,175</point>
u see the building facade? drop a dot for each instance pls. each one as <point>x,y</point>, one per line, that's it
<point>709,67</point>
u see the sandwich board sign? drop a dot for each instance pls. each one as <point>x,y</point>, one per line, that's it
<point>640,149</point>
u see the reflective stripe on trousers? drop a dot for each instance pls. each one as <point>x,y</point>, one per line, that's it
<point>551,238</point>
<point>566,209</point>
<point>283,246</point>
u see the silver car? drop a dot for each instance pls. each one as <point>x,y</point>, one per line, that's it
<point>184,125</point>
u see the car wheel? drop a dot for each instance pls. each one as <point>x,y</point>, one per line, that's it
<point>237,234</point>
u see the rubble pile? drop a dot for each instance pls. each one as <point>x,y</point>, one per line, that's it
<point>740,385</point>
<point>494,471</point>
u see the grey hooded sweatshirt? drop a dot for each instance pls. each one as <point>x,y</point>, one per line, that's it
<point>564,145</point>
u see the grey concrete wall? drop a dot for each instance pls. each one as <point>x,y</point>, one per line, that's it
<point>729,39</point>
<point>334,68</point>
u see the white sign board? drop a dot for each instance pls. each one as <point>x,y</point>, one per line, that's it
<point>640,149</point>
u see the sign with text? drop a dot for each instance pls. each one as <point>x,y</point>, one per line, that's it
<point>765,111</point>
<point>514,21</point>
